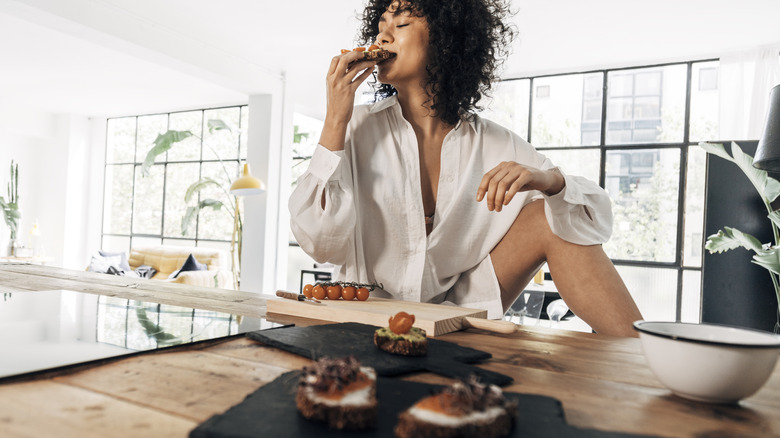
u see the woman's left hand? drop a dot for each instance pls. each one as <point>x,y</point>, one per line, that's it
<point>505,180</point>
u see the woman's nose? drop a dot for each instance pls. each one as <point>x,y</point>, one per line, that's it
<point>384,38</point>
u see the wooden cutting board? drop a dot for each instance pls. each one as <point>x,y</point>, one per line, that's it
<point>435,319</point>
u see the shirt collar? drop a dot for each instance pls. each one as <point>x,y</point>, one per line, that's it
<point>393,101</point>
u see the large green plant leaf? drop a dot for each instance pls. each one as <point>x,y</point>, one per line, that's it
<point>192,212</point>
<point>767,187</point>
<point>218,125</point>
<point>199,185</point>
<point>729,238</point>
<point>769,260</point>
<point>162,144</point>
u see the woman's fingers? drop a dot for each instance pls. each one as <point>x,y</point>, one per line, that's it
<point>499,186</point>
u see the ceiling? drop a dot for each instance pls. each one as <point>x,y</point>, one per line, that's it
<point>122,57</point>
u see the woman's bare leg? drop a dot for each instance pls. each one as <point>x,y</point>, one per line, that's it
<point>585,277</point>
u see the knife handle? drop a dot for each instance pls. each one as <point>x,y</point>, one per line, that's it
<point>491,325</point>
<point>289,295</point>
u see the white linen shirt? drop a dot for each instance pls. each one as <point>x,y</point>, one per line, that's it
<point>373,224</point>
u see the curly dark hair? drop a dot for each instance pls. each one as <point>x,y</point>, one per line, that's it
<point>469,40</point>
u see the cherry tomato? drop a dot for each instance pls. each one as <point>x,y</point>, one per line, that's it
<point>359,49</point>
<point>348,293</point>
<point>318,292</point>
<point>343,51</point>
<point>362,294</point>
<point>373,47</point>
<point>401,322</point>
<point>334,292</point>
<point>307,290</point>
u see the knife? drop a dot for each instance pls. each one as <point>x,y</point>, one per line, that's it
<point>298,297</point>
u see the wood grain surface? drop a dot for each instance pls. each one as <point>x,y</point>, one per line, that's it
<point>603,382</point>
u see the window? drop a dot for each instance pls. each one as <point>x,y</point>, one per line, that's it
<point>634,130</point>
<point>148,209</point>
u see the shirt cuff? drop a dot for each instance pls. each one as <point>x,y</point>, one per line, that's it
<point>569,195</point>
<point>325,162</point>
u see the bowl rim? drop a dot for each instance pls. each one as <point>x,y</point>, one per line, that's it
<point>639,326</point>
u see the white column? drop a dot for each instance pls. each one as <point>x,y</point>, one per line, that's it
<point>263,232</point>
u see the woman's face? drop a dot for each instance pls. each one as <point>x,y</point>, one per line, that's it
<point>407,37</point>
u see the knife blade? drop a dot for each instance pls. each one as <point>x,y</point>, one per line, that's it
<point>297,297</point>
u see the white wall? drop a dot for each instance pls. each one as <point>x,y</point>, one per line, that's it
<point>60,180</point>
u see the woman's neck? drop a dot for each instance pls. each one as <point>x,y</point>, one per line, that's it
<point>415,107</point>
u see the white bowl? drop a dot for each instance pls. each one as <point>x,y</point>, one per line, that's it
<point>709,362</point>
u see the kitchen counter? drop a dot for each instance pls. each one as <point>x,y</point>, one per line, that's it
<point>602,382</point>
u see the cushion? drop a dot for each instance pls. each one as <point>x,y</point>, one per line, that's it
<point>191,264</point>
<point>101,264</point>
<point>123,265</point>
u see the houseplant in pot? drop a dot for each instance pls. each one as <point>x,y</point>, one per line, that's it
<point>766,255</point>
<point>10,207</point>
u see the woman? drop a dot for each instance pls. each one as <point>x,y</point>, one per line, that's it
<point>394,192</point>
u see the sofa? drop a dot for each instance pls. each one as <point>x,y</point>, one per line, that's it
<point>167,259</point>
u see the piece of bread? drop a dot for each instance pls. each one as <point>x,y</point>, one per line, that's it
<point>377,55</point>
<point>412,343</point>
<point>338,392</point>
<point>465,409</point>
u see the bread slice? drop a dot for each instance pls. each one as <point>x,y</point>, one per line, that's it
<point>377,55</point>
<point>412,343</point>
<point>465,409</point>
<point>340,393</point>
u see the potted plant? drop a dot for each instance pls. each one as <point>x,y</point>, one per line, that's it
<point>10,207</point>
<point>766,255</point>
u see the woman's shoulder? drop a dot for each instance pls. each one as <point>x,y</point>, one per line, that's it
<point>491,130</point>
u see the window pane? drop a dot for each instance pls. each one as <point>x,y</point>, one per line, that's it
<point>509,105</point>
<point>217,224</point>
<point>178,242</point>
<point>222,143</point>
<point>120,138</point>
<point>306,134</point>
<point>646,105</point>
<point>560,119</point>
<point>148,201</point>
<point>653,289</point>
<point>690,310</point>
<point>189,148</point>
<point>178,179</point>
<point>643,185</point>
<point>119,197</point>
<point>694,207</point>
<point>704,102</point>
<point>149,127</point>
<point>136,241</point>
<point>224,246</point>
<point>583,162</point>
<point>244,131</point>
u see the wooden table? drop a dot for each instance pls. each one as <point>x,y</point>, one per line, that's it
<point>603,382</point>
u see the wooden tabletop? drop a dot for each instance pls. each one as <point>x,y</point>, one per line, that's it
<point>602,382</point>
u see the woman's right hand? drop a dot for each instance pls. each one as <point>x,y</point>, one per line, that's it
<point>344,77</point>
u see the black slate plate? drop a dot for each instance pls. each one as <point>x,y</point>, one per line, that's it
<point>344,339</point>
<point>271,412</point>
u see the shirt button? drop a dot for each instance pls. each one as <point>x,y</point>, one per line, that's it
<point>449,179</point>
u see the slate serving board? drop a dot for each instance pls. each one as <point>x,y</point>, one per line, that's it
<point>271,412</point>
<point>344,339</point>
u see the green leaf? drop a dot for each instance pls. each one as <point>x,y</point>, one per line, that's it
<point>192,212</point>
<point>767,187</point>
<point>218,125</point>
<point>162,144</point>
<point>197,186</point>
<point>769,260</point>
<point>729,238</point>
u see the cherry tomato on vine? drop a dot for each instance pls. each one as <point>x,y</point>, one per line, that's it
<point>318,292</point>
<point>362,294</point>
<point>348,293</point>
<point>334,292</point>
<point>307,290</point>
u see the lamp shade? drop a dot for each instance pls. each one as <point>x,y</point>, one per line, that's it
<point>768,152</point>
<point>246,184</point>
